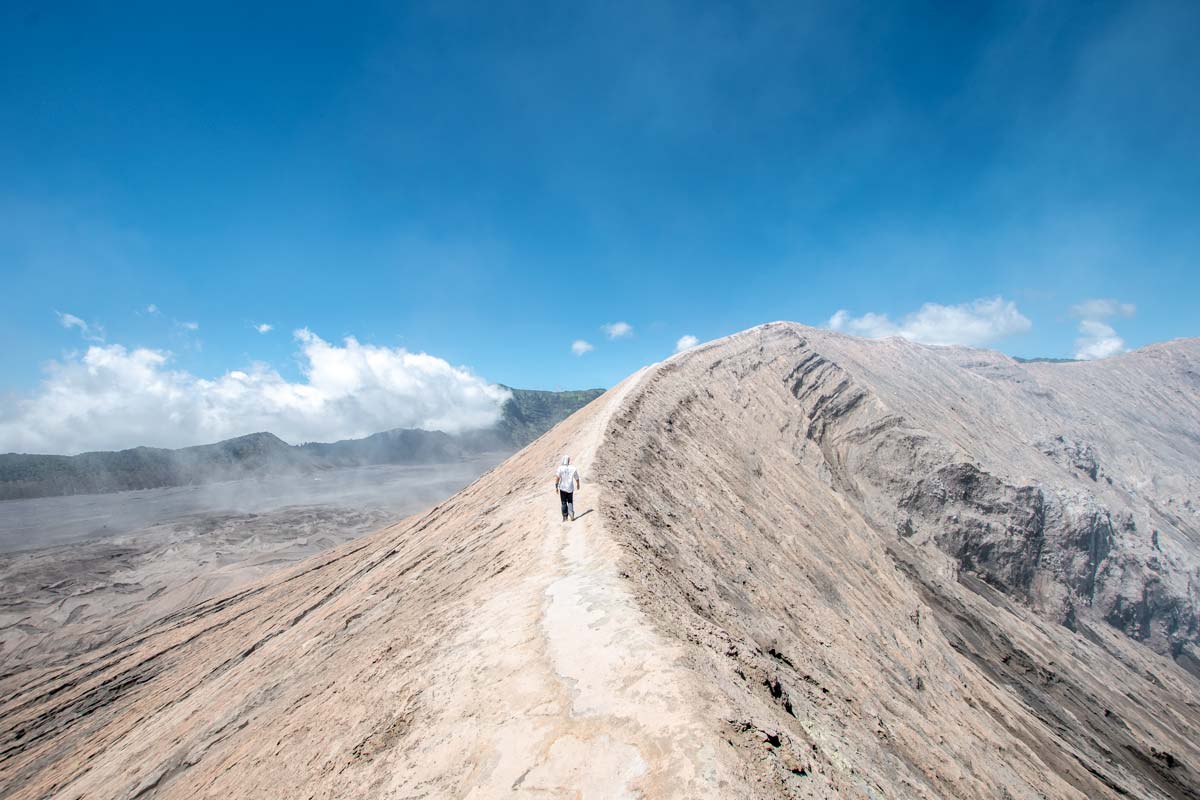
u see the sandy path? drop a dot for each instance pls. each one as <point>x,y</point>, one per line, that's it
<point>575,694</point>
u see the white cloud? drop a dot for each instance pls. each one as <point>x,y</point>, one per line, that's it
<point>93,333</point>
<point>112,397</point>
<point>579,347</point>
<point>1098,339</point>
<point>189,326</point>
<point>71,321</point>
<point>839,320</point>
<point>264,327</point>
<point>686,342</point>
<point>1102,308</point>
<point>152,309</point>
<point>617,330</point>
<point>974,324</point>
<point>871,325</point>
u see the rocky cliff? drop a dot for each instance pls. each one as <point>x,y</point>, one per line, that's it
<point>947,573</point>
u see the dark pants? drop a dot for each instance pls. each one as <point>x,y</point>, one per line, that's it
<point>568,503</point>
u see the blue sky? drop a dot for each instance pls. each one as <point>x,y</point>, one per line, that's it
<point>490,183</point>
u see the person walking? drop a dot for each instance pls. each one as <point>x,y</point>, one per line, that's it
<point>566,481</point>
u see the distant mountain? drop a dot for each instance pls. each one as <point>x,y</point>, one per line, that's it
<point>524,417</point>
<point>145,467</point>
<point>398,446</point>
<point>530,413</point>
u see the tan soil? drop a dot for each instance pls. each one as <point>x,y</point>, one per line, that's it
<point>812,566</point>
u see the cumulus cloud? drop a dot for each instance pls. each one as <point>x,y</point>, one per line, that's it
<point>1097,338</point>
<point>264,327</point>
<point>579,347</point>
<point>685,342</point>
<point>112,397</point>
<point>617,330</point>
<point>93,333</point>
<point>974,324</point>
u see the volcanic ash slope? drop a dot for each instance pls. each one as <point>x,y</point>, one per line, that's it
<point>924,572</point>
<point>810,566</point>
<point>483,649</point>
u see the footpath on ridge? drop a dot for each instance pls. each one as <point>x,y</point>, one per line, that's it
<point>575,694</point>
<point>484,648</point>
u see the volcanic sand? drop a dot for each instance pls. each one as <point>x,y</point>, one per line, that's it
<point>806,565</point>
<point>484,649</point>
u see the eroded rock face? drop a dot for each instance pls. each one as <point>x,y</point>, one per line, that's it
<point>1073,455</point>
<point>883,563</point>
<point>1062,533</point>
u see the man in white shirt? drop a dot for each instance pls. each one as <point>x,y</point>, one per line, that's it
<point>566,481</point>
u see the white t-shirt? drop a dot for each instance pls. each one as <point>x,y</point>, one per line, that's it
<point>566,477</point>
